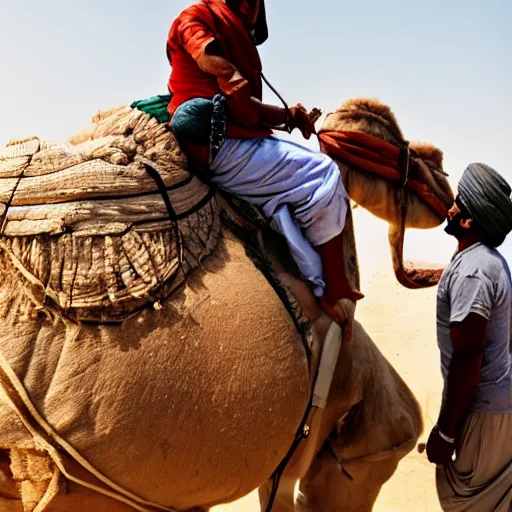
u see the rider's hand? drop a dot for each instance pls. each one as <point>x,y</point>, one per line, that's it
<point>301,119</point>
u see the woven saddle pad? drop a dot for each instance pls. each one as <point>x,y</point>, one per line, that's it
<point>104,224</point>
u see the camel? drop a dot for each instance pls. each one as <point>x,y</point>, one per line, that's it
<point>151,359</point>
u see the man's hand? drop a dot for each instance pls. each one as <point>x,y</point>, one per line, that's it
<point>303,120</point>
<point>439,451</point>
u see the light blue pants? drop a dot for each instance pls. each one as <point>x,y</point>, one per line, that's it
<point>298,189</point>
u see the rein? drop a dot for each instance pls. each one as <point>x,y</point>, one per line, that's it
<point>369,457</point>
<point>403,160</point>
<point>13,193</point>
<point>281,99</point>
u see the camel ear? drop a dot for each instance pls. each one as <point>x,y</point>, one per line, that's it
<point>428,153</point>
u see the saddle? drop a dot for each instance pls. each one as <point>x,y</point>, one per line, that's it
<point>106,223</point>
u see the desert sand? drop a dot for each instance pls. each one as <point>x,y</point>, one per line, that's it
<point>402,323</point>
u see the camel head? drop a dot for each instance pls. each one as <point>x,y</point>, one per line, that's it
<point>400,182</point>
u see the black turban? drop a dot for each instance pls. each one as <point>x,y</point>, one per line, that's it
<point>486,196</point>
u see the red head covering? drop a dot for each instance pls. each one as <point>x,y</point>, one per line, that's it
<point>260,28</point>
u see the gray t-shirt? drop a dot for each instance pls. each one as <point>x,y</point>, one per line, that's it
<point>477,280</point>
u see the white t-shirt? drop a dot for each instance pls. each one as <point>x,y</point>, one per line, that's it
<point>477,280</point>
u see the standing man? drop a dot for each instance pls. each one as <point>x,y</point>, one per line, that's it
<point>473,332</point>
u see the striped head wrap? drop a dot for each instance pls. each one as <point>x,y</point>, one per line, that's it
<point>486,196</point>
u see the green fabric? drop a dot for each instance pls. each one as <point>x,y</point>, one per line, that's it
<point>156,106</point>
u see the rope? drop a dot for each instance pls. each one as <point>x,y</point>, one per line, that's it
<point>153,173</point>
<point>39,293</point>
<point>281,99</point>
<point>11,198</point>
<point>404,164</point>
<point>44,435</point>
<point>50,493</point>
<point>370,457</point>
<point>40,430</point>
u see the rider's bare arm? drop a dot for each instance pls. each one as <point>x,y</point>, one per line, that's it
<point>244,109</point>
<point>212,61</point>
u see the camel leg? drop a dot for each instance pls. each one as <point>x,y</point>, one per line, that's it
<point>296,468</point>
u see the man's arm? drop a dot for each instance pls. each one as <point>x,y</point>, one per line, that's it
<point>246,110</point>
<point>471,300</point>
<point>468,339</point>
<point>243,108</point>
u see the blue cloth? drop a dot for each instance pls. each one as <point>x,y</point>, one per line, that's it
<point>477,280</point>
<point>202,122</point>
<point>307,259</point>
<point>273,173</point>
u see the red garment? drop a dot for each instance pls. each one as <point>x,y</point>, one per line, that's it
<point>191,32</point>
<point>376,156</point>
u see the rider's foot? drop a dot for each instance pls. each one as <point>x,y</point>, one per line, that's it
<point>342,312</point>
<point>340,296</point>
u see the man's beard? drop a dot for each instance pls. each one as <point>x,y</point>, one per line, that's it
<point>453,226</point>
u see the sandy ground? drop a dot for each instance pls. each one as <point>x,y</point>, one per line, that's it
<point>402,323</point>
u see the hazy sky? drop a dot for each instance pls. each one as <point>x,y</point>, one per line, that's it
<point>444,67</point>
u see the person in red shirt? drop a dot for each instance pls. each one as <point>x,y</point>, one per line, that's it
<point>226,130</point>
